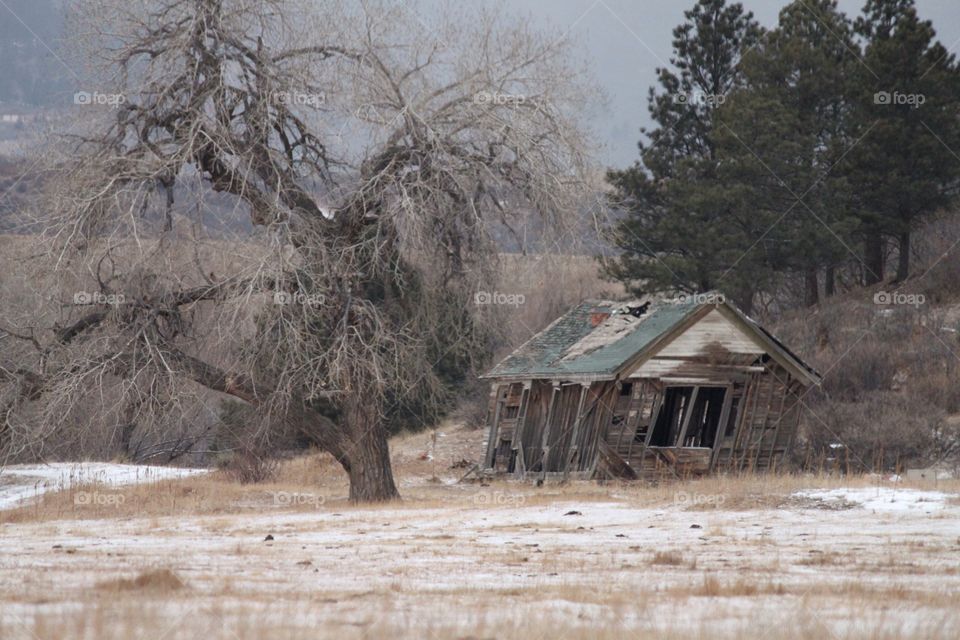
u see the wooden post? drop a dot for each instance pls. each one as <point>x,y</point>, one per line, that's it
<point>494,426</point>
<point>520,465</point>
<point>576,430</point>
<point>544,446</point>
<point>518,429</point>
<point>600,428</point>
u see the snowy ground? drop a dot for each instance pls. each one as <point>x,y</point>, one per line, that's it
<point>19,484</point>
<point>880,499</point>
<point>501,562</point>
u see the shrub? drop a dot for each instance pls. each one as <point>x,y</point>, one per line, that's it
<point>248,467</point>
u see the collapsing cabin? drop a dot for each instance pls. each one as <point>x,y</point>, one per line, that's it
<point>636,389</point>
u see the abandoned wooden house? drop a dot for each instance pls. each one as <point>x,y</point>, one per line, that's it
<point>649,387</point>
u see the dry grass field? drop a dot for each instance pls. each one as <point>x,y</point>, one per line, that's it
<point>203,557</point>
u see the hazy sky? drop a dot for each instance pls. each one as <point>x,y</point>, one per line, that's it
<point>624,40</point>
<point>628,39</point>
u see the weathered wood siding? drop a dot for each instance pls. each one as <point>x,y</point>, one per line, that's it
<point>766,424</point>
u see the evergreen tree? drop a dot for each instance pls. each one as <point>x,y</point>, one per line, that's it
<point>907,96</point>
<point>782,137</point>
<point>675,233</point>
<point>768,172</point>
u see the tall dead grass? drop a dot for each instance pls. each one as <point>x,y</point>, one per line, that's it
<point>315,483</point>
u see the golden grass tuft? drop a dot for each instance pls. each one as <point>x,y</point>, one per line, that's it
<point>712,587</point>
<point>156,580</point>
<point>671,558</point>
<point>819,559</point>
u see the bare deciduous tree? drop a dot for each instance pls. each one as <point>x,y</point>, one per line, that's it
<point>368,161</point>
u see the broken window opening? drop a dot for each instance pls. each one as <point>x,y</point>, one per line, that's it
<point>511,401</point>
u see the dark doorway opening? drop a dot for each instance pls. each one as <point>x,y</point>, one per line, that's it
<point>691,414</point>
<point>704,418</point>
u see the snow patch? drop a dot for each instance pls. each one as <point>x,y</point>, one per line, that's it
<point>879,499</point>
<point>22,482</point>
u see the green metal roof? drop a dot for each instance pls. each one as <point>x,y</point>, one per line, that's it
<point>545,355</point>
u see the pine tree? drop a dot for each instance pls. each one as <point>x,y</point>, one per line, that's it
<point>907,97</point>
<point>783,136</point>
<point>676,233</point>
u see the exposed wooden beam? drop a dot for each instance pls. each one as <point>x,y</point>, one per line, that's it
<point>688,413</point>
<point>722,426</point>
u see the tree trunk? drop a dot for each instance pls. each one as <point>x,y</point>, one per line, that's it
<point>126,437</point>
<point>367,459</point>
<point>371,476</point>
<point>903,263</point>
<point>359,443</point>
<point>4,441</point>
<point>127,428</point>
<point>873,258</point>
<point>811,288</point>
<point>830,282</point>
